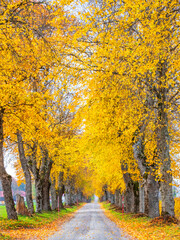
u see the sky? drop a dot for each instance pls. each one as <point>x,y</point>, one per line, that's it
<point>9,160</point>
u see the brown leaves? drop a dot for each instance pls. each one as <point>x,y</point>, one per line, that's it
<point>165,220</point>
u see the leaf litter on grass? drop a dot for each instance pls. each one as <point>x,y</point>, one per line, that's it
<point>143,228</point>
<point>38,231</point>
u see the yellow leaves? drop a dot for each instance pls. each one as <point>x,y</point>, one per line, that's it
<point>31,48</point>
<point>141,227</point>
<point>19,173</point>
<point>127,48</point>
<point>112,62</point>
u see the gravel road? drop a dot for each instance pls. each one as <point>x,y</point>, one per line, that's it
<point>89,223</point>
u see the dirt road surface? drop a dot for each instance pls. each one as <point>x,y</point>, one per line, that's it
<point>89,223</point>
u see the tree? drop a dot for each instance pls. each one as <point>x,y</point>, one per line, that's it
<point>26,171</point>
<point>132,56</point>
<point>26,57</point>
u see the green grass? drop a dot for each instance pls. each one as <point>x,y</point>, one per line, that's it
<point>4,237</point>
<point>37,220</point>
<point>32,222</point>
<point>3,212</point>
<point>124,216</point>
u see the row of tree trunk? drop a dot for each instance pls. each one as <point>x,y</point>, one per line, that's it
<point>139,197</point>
<point>143,196</point>
<point>44,186</point>
<point>41,174</point>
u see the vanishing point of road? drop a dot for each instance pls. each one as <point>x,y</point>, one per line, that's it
<point>89,223</point>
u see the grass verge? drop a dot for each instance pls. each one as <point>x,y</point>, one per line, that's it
<point>142,228</point>
<point>39,226</point>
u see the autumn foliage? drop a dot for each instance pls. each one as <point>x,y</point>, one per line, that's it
<point>90,101</point>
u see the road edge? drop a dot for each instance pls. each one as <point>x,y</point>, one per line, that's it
<point>125,232</point>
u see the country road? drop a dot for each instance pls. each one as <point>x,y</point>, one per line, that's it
<point>89,223</point>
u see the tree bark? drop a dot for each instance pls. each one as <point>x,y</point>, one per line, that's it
<point>38,183</point>
<point>131,195</point>
<point>108,196</point>
<point>45,195</point>
<point>54,196</point>
<point>27,173</point>
<point>42,179</point>
<point>44,173</point>
<point>150,187</point>
<point>163,140</point>
<point>38,187</point>
<point>141,198</point>
<point>6,179</point>
<point>116,198</point>
<point>120,200</point>
<point>105,195</point>
<point>68,197</point>
<point>153,196</point>
<point>61,190</point>
<point>136,196</point>
<point>46,186</point>
<point>112,198</point>
<point>79,196</point>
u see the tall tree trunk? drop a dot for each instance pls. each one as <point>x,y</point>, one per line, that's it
<point>45,195</point>
<point>120,200</point>
<point>163,140</point>
<point>108,196</point>
<point>38,187</point>
<point>54,196</point>
<point>136,196</point>
<point>68,193</point>
<point>42,179</point>
<point>68,199</point>
<point>27,173</point>
<point>116,197</point>
<point>141,198</point>
<point>79,196</point>
<point>46,186</point>
<point>61,190</point>
<point>105,195</point>
<point>150,188</point>
<point>38,182</point>
<point>44,172</point>
<point>130,195</point>
<point>6,179</point>
<point>153,196</point>
<point>112,197</point>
